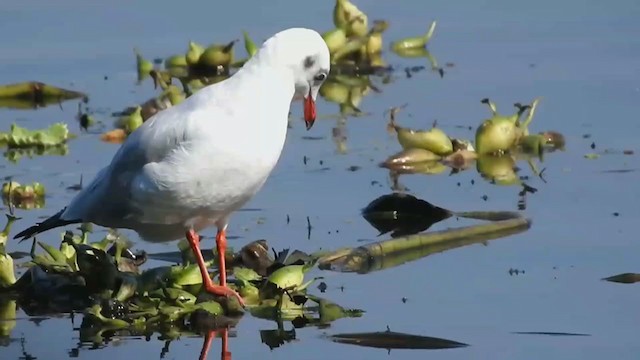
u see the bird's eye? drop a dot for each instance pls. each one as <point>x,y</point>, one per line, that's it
<point>320,77</point>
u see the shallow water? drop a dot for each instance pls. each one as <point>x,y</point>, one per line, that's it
<point>581,58</point>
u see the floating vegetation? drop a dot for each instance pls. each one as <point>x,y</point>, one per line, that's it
<point>23,196</point>
<point>500,141</point>
<point>103,280</point>
<point>355,45</point>
<point>19,137</point>
<point>408,214</point>
<point>15,154</point>
<point>34,94</point>
<point>21,142</point>
<point>414,43</point>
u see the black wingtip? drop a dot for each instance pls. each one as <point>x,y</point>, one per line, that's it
<point>50,223</point>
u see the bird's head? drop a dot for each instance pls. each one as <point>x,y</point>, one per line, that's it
<point>306,54</point>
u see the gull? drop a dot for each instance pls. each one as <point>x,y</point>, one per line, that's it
<point>191,166</point>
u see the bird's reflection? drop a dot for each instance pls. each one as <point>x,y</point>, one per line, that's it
<point>223,334</point>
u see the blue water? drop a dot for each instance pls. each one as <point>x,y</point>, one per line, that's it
<point>582,58</point>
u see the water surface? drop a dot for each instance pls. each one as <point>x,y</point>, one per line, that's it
<point>580,57</point>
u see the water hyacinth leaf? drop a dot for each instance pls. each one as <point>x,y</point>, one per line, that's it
<point>410,156</point>
<point>335,39</point>
<point>8,316</point>
<point>329,311</point>
<point>496,135</point>
<point>4,235</point>
<point>434,140</point>
<point>128,287</point>
<point>95,312</point>
<point>288,277</point>
<point>7,270</point>
<point>55,254</point>
<point>353,45</point>
<point>185,275</point>
<point>402,214</point>
<point>193,53</point>
<point>217,55</point>
<point>19,137</point>
<point>416,42</point>
<point>245,274</point>
<point>349,18</point>
<point>395,340</point>
<point>499,170</point>
<point>374,42</point>
<point>212,307</point>
<point>143,66</point>
<point>249,45</point>
<point>175,61</point>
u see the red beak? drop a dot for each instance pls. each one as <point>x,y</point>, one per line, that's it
<point>309,111</point>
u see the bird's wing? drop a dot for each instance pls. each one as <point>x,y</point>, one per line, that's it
<point>108,199</point>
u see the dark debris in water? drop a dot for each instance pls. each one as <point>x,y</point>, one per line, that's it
<point>548,333</point>
<point>395,340</point>
<point>402,214</point>
<point>625,278</point>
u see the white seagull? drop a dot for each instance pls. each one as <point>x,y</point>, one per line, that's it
<point>192,165</point>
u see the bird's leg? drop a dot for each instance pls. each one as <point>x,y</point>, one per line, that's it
<point>209,286</point>
<point>221,245</point>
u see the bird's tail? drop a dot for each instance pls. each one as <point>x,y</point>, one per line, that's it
<point>50,223</point>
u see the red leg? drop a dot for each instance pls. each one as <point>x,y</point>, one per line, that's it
<point>209,286</point>
<point>225,354</point>
<point>221,245</point>
<point>208,337</point>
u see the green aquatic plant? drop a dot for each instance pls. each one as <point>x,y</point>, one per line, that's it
<point>349,18</point>
<point>7,270</point>
<point>218,55</point>
<point>501,133</point>
<point>434,140</point>
<point>249,45</point>
<point>143,66</point>
<point>19,137</point>
<point>417,42</point>
<point>23,196</point>
<point>34,94</point>
<point>194,53</point>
